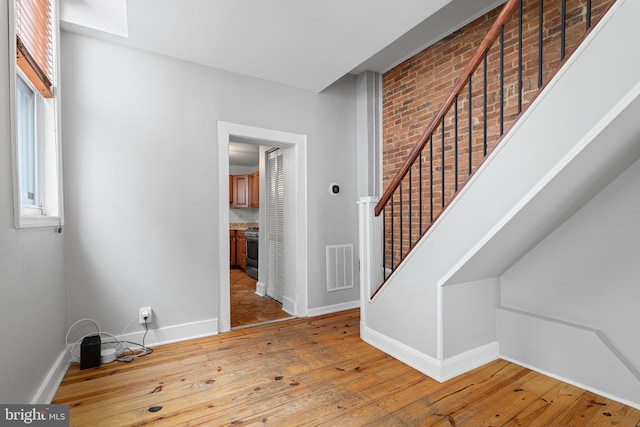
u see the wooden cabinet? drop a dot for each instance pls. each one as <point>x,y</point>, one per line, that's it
<point>244,191</point>
<point>232,249</point>
<point>241,249</point>
<point>237,249</point>
<point>240,191</point>
<point>254,190</point>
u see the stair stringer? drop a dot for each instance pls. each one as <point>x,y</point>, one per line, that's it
<point>407,317</point>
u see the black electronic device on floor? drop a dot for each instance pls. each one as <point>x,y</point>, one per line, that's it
<point>90,352</point>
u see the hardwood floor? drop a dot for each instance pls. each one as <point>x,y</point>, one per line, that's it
<point>247,308</point>
<point>317,371</point>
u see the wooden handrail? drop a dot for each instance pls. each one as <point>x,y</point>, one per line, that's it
<point>506,13</point>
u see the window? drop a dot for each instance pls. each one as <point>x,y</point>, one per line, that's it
<point>26,142</point>
<point>35,122</point>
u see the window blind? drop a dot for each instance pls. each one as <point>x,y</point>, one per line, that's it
<point>34,45</point>
<point>275,225</point>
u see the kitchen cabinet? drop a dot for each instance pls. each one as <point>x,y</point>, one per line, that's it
<point>237,249</point>
<point>240,191</point>
<point>232,249</point>
<point>241,249</point>
<point>244,191</point>
<point>254,190</point>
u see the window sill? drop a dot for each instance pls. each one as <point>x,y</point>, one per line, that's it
<point>34,221</point>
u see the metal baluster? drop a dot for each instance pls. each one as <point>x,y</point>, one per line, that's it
<point>410,207</point>
<point>540,28</point>
<point>442,193</point>
<point>501,80</point>
<point>393,241</point>
<point>431,179</point>
<point>455,143</point>
<point>384,244</point>
<point>420,190</point>
<point>485,105</point>
<point>520,57</point>
<point>563,30</point>
<point>470,123</point>
<point>401,230</point>
<point>588,14</point>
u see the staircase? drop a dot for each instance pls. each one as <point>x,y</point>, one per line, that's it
<point>439,246</point>
<point>510,67</point>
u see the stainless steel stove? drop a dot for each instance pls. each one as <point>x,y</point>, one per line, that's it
<point>253,237</point>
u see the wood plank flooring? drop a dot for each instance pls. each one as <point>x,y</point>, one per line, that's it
<point>248,308</point>
<point>317,372</point>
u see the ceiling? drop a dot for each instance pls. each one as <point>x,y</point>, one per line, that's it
<point>244,154</point>
<point>306,44</point>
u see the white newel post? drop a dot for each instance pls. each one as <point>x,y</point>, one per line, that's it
<point>370,232</point>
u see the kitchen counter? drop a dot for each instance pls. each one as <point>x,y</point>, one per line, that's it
<point>242,225</point>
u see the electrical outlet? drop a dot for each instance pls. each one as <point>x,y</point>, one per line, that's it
<point>144,315</point>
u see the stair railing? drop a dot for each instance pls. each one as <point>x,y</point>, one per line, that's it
<point>463,131</point>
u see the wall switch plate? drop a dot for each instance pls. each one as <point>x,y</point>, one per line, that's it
<point>144,312</point>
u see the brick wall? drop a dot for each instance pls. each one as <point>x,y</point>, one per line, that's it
<point>414,90</point>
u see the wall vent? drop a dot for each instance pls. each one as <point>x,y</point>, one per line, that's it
<point>339,267</point>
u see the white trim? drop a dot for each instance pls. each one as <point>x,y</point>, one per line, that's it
<point>261,289</point>
<point>439,370</point>
<point>369,249</point>
<point>175,333</point>
<point>440,323</point>
<point>50,166</point>
<point>51,382</point>
<point>289,305</point>
<point>30,221</point>
<point>471,359</point>
<point>328,309</point>
<point>426,364</point>
<point>299,223</point>
<point>635,405</point>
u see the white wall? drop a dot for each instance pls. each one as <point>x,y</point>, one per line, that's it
<point>470,315</point>
<point>141,160</point>
<point>244,215</point>
<point>585,273</point>
<point>32,277</point>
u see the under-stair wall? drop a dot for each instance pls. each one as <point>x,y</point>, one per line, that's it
<point>570,306</point>
<point>437,312</point>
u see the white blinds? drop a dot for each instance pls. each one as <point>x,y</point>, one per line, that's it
<point>34,43</point>
<point>275,225</point>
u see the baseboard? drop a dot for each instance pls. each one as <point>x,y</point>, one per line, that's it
<point>474,358</point>
<point>439,370</point>
<point>261,289</point>
<point>289,306</point>
<point>52,380</point>
<point>635,405</point>
<point>328,309</point>
<point>428,365</point>
<point>176,333</point>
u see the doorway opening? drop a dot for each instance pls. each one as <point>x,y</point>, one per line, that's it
<point>256,188</point>
<point>293,148</point>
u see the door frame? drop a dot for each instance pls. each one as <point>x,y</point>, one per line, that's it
<point>297,225</point>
